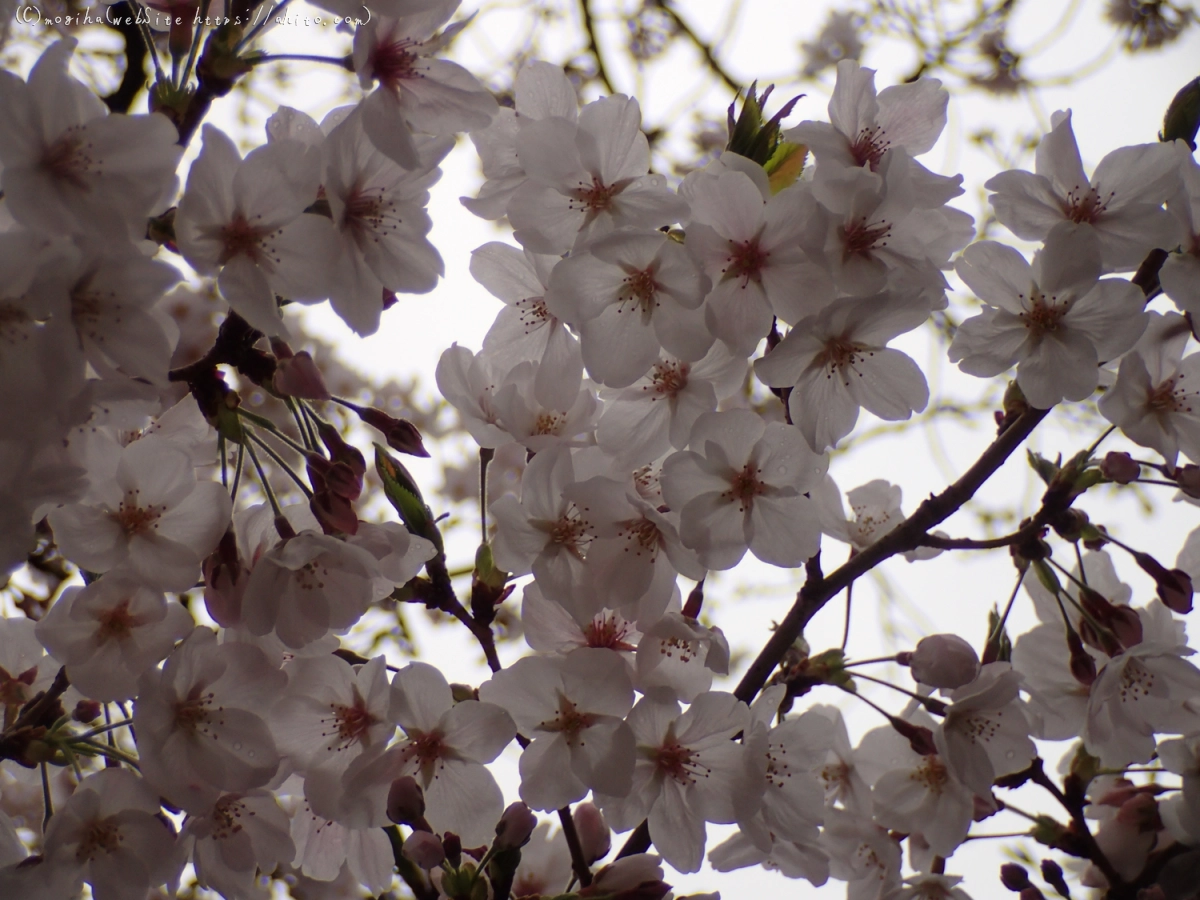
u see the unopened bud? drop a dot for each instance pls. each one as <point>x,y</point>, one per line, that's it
<point>595,839</point>
<point>1188,479</point>
<point>1070,524</point>
<point>1141,812</point>
<point>298,376</point>
<point>1031,893</point>
<point>400,434</point>
<point>944,661</point>
<point>406,801</point>
<point>1120,467</point>
<point>1053,874</point>
<point>1083,667</point>
<point>1014,877</point>
<point>86,711</point>
<point>425,849</point>
<point>1174,585</point>
<point>919,737</point>
<point>515,827</point>
<point>452,844</point>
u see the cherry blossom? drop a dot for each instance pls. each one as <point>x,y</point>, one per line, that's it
<point>416,91</point>
<point>155,515</point>
<point>744,488</point>
<point>631,294</point>
<point>587,178</point>
<point>242,835</point>
<point>1055,319</point>
<point>572,708</point>
<point>1120,205</point>
<point>526,329</point>
<point>201,724</point>
<point>110,632</point>
<point>68,166</point>
<point>244,221</point>
<point>1180,271</point>
<point>684,774</point>
<point>838,361</point>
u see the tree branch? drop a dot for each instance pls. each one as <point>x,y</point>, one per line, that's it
<point>706,50</point>
<point>589,28</point>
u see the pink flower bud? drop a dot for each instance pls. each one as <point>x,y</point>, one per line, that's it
<point>594,837</point>
<point>86,711</point>
<point>944,661</point>
<point>406,801</point>
<point>298,376</point>
<point>401,435</point>
<point>424,849</point>
<point>1119,467</point>
<point>515,827</point>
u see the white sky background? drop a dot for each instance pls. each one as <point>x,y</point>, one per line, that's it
<point>1121,103</point>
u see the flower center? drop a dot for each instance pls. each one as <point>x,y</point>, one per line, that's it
<point>642,536</point>
<point>668,379</point>
<point>240,238</point>
<point>1039,316</point>
<point>569,721</point>
<point>351,723</point>
<point>191,715</point>
<point>102,836</point>
<point>608,630</point>
<point>869,146</point>
<point>746,261</point>
<point>1084,205</point>
<point>369,216</point>
<point>393,62</point>
<point>69,159</point>
<point>1170,397</point>
<point>861,236</point>
<point>745,486</point>
<point>638,290</point>
<point>678,762</point>
<point>549,423</point>
<point>533,313</point>
<point>226,815</point>
<point>135,519</point>
<point>570,531</point>
<point>932,773</point>
<point>1137,682</point>
<point>115,623</point>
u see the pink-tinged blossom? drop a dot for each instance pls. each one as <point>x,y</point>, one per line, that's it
<point>110,835</point>
<point>684,776</point>
<point>545,867</point>
<point>1148,688</point>
<point>863,126</point>
<point>1180,272</point>
<point>588,178</point>
<point>915,793</point>
<point>526,329</point>
<point>838,362</point>
<point>743,486</point>
<point>469,382</point>
<point>540,90</point>
<point>550,628</point>
<point>677,658</point>
<point>782,797</point>
<point>862,854</point>
<point>751,249</point>
<point>382,227</point>
<point>928,886</point>
<point>241,836</point>
<point>944,661</point>
<point>548,533</point>
<point>537,426</point>
<point>631,294</point>
<point>70,167</point>
<point>416,92</point>
<point>644,421</point>
<point>985,733</point>
<point>308,585</point>
<point>25,668</point>
<point>200,720</point>
<point>344,858</point>
<point>792,859</point>
<point>154,515</point>
<point>572,708</point>
<point>875,507</point>
<point>1056,320</point>
<point>1156,398</point>
<point>446,749</point>
<point>1120,206</point>
<point>110,632</point>
<point>245,219</point>
<point>331,712</point>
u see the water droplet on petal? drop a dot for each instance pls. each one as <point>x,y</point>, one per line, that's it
<point>237,745</point>
<point>1009,755</point>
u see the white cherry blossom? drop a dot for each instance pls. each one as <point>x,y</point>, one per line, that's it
<point>241,836</point>
<point>743,487</point>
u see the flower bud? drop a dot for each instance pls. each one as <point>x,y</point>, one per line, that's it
<point>1053,874</point>
<point>406,801</point>
<point>1014,877</point>
<point>1083,667</point>
<point>595,839</point>
<point>424,849</point>
<point>298,376</point>
<point>401,435</point>
<point>1174,585</point>
<point>1031,893</point>
<point>919,737</point>
<point>944,661</point>
<point>86,711</point>
<point>515,827</point>
<point>1188,479</point>
<point>1119,467</point>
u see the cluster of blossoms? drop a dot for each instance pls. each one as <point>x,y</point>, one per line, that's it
<point>632,310</point>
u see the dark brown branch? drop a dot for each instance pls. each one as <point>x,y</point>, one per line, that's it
<point>908,536</point>
<point>578,863</point>
<point>1075,808</point>
<point>589,28</point>
<point>705,50</point>
<point>133,80</point>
